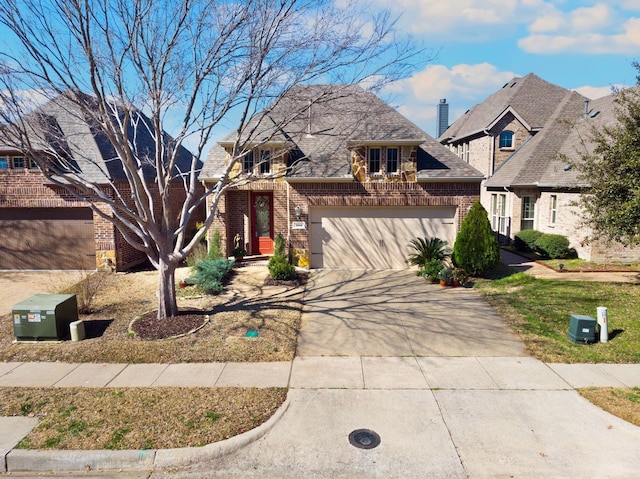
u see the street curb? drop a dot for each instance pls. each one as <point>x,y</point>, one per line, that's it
<point>192,455</point>
<point>25,460</point>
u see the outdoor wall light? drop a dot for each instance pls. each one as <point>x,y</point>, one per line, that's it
<point>298,211</point>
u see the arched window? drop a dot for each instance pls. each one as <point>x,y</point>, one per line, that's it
<point>506,139</point>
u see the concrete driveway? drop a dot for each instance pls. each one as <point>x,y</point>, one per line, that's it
<point>396,313</point>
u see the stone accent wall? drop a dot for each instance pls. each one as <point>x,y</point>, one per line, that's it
<point>406,169</point>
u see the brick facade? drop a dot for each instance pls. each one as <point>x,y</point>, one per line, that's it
<point>234,206</point>
<point>28,188</point>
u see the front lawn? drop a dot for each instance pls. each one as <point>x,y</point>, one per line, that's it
<point>539,311</point>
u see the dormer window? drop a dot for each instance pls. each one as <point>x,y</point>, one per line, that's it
<point>506,139</point>
<point>392,161</point>
<point>265,162</point>
<point>374,163</point>
<point>247,162</point>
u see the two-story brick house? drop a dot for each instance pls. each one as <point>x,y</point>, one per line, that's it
<point>45,226</point>
<point>523,138</point>
<point>345,178</point>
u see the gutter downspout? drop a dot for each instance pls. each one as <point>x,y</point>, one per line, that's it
<point>288,216</point>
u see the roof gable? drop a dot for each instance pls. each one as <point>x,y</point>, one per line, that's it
<point>327,121</point>
<point>530,98</point>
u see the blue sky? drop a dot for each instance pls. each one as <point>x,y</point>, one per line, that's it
<point>587,46</point>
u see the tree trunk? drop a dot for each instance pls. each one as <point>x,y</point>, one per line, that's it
<point>167,305</point>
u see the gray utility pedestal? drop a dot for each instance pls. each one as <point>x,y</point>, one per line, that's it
<point>582,329</point>
<point>44,317</point>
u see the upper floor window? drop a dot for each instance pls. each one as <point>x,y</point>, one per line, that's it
<point>373,163</point>
<point>506,139</point>
<point>18,162</point>
<point>265,162</point>
<point>392,160</point>
<point>247,162</point>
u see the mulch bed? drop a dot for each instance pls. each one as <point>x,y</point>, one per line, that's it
<point>299,280</point>
<point>148,327</point>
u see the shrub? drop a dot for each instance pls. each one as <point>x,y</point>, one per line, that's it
<point>428,249</point>
<point>210,273</point>
<point>86,289</point>
<point>215,248</point>
<point>278,245</point>
<point>553,246</point>
<point>279,266</point>
<point>476,249</point>
<point>525,240</point>
<point>432,268</point>
<point>280,269</point>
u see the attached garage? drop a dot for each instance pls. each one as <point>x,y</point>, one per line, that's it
<point>47,238</point>
<point>374,237</point>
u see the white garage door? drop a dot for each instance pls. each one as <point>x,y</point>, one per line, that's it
<point>374,238</point>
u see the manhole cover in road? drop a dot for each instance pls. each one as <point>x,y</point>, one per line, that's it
<point>364,439</point>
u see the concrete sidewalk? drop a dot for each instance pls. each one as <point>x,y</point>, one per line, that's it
<point>476,412</point>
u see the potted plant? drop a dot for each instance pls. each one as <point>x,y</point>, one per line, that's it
<point>239,253</point>
<point>459,277</point>
<point>445,277</point>
<point>431,269</point>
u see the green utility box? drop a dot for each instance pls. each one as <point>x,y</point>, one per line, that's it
<point>582,329</point>
<point>44,317</point>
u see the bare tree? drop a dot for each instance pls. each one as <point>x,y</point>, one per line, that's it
<point>144,67</point>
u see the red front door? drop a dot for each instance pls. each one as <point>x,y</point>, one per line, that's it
<point>261,223</point>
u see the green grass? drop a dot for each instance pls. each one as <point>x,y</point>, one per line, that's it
<point>586,266</point>
<point>539,311</point>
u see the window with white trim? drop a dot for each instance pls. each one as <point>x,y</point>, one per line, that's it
<point>373,161</point>
<point>265,162</point>
<point>392,162</point>
<point>506,139</point>
<point>528,212</point>
<point>499,213</point>
<point>248,162</point>
<point>553,210</point>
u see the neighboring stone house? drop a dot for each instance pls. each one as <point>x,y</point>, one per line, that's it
<point>346,180</point>
<point>43,225</point>
<point>522,138</point>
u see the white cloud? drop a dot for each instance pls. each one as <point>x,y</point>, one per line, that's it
<point>625,42</point>
<point>461,81</point>
<point>594,92</point>
<point>463,85</point>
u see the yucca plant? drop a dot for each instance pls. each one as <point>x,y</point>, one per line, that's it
<point>428,249</point>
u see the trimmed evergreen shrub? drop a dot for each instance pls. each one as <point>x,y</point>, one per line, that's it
<point>279,266</point>
<point>210,273</point>
<point>215,248</point>
<point>476,249</point>
<point>552,245</point>
<point>281,269</point>
<point>525,240</point>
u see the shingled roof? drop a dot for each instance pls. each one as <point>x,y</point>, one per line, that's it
<point>530,97</point>
<point>319,123</point>
<point>544,160</point>
<point>61,124</point>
